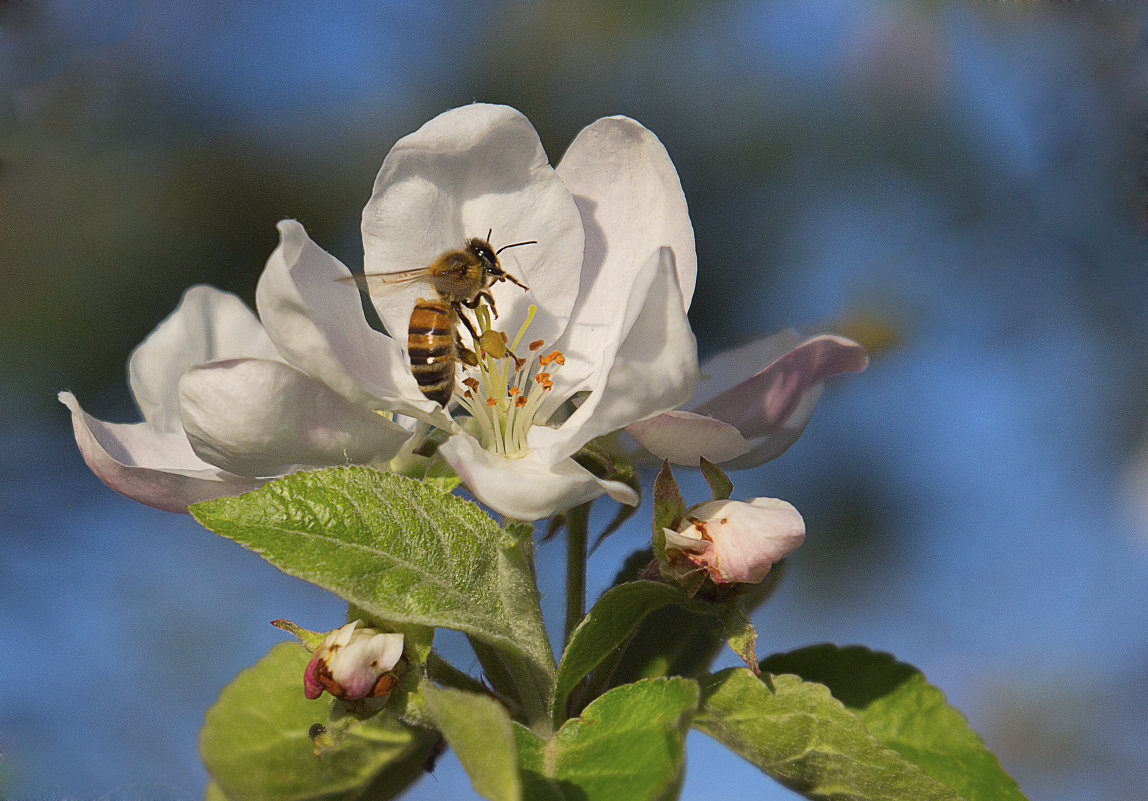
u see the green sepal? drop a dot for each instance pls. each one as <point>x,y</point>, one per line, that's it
<point>719,483</point>
<point>669,508</point>
<point>741,635</point>
<point>307,638</point>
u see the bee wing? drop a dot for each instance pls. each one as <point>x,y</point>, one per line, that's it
<point>381,281</point>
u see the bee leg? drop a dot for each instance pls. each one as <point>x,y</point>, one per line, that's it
<point>466,321</point>
<point>465,354</point>
<point>484,295</point>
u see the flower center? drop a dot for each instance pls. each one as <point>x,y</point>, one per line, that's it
<point>504,392</point>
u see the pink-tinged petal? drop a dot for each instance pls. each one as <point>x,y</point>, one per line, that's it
<point>526,488</point>
<point>153,467</point>
<point>761,404</point>
<point>319,327</point>
<point>684,438</point>
<point>207,324</point>
<point>312,688</point>
<point>631,202</point>
<point>647,365</point>
<point>747,538</point>
<point>257,417</point>
<point>468,171</point>
<point>730,367</point>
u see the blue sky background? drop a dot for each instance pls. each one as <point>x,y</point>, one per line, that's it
<point>963,179</point>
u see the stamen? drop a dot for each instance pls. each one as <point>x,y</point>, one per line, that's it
<point>536,344</point>
<point>512,391</point>
<point>491,402</point>
<point>520,401</point>
<point>471,382</point>
<point>552,356</point>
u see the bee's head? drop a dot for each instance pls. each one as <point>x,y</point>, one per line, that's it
<point>486,253</point>
<point>482,249</point>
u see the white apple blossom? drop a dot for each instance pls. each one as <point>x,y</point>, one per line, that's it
<point>737,541</point>
<point>603,322</point>
<point>743,416</point>
<point>353,663</point>
<point>211,362</point>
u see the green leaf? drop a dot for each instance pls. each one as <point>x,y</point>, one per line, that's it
<point>674,641</point>
<point>402,551</point>
<point>478,728</point>
<point>255,741</point>
<point>627,744</point>
<point>906,713</point>
<point>799,734</point>
<point>609,624</point>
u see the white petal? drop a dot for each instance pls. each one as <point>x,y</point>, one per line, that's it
<point>257,417</point>
<point>207,324</point>
<point>154,467</point>
<point>465,172</point>
<point>648,364</point>
<point>688,541</point>
<point>386,649</point>
<point>319,326</point>
<point>526,488</point>
<point>631,202</point>
<point>685,438</point>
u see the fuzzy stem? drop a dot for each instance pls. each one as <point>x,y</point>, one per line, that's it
<point>577,520</point>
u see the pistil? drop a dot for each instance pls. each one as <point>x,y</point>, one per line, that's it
<point>505,397</point>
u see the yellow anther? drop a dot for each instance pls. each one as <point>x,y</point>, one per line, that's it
<point>494,343</point>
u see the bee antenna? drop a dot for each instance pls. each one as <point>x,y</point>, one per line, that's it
<point>489,233</point>
<point>516,244</point>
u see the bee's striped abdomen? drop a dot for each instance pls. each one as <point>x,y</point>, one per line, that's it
<point>430,348</point>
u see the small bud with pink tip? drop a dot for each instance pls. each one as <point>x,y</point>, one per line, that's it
<point>353,663</point>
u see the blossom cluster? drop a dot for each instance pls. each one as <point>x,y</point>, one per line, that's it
<point>230,399</point>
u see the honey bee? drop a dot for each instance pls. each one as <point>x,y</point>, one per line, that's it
<point>461,277</point>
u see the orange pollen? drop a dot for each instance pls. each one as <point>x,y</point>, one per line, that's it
<point>536,344</point>
<point>553,356</point>
<point>471,382</point>
<point>520,400</point>
<point>512,391</point>
<point>467,394</point>
<point>542,378</point>
<point>491,402</point>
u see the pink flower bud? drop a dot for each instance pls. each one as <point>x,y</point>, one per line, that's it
<point>353,663</point>
<point>736,541</point>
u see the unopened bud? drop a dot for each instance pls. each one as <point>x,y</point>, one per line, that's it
<point>735,541</point>
<point>353,663</point>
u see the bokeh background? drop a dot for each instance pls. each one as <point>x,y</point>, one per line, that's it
<point>959,186</point>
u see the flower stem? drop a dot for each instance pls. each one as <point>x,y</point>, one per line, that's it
<point>577,520</point>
